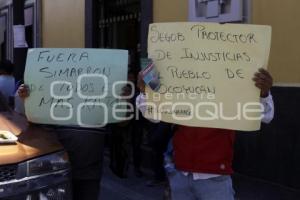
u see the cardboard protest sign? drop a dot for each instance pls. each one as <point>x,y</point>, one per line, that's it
<point>80,87</point>
<point>206,72</point>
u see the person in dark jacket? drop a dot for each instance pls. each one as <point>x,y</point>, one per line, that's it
<point>85,149</point>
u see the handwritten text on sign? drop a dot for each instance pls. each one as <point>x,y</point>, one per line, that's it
<point>74,86</point>
<point>206,72</point>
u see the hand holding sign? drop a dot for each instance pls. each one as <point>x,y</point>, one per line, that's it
<point>264,81</point>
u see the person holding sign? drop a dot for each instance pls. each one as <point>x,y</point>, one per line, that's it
<point>77,92</point>
<point>85,149</point>
<point>203,156</point>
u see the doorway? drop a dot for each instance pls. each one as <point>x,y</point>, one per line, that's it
<point>119,24</point>
<point>3,36</point>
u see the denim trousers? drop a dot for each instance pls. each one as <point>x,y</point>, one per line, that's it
<point>186,188</point>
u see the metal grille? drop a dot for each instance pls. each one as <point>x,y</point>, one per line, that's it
<point>8,172</point>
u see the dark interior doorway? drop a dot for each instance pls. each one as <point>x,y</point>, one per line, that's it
<point>3,37</point>
<point>119,24</point>
<point>119,27</point>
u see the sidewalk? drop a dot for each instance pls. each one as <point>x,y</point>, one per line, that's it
<point>132,188</point>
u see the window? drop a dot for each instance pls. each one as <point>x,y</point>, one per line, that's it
<point>3,36</point>
<point>32,23</point>
<point>6,42</point>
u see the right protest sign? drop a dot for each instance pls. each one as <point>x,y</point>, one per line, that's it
<point>206,72</point>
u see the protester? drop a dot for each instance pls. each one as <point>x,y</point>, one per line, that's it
<point>85,149</point>
<point>7,81</point>
<point>137,127</point>
<point>203,156</point>
<point>159,136</point>
<point>127,136</point>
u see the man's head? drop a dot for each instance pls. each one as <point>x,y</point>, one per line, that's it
<point>6,67</point>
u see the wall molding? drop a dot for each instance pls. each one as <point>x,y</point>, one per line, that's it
<point>279,84</point>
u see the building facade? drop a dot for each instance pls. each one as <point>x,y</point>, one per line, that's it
<point>273,153</point>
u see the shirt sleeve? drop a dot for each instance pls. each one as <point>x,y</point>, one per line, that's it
<point>19,105</point>
<point>268,113</point>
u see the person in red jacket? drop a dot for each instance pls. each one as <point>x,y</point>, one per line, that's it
<point>203,156</point>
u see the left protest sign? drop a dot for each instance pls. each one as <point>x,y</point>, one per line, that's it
<point>77,87</point>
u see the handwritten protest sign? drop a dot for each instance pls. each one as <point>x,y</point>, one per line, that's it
<point>206,72</point>
<point>75,86</point>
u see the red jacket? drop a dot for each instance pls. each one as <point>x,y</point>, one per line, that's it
<point>203,150</point>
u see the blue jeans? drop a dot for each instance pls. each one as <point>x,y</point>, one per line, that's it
<point>185,188</point>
